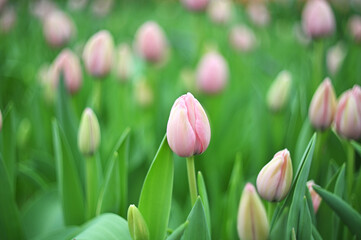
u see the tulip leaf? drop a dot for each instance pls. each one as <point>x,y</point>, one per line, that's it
<point>356,146</point>
<point>197,228</point>
<point>156,195</point>
<point>278,229</point>
<point>315,234</point>
<point>305,223</point>
<point>346,213</point>
<point>204,197</point>
<point>339,191</point>
<point>178,232</point>
<point>310,206</point>
<point>69,186</point>
<point>60,234</point>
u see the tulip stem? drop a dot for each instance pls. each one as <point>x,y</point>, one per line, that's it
<point>270,210</point>
<point>192,179</point>
<point>91,185</point>
<point>350,165</point>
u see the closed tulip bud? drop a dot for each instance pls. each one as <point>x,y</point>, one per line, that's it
<point>274,180</point>
<point>318,19</point>
<point>188,130</point>
<point>348,114</point>
<point>195,5</point>
<point>323,106</point>
<point>151,43</point>
<point>252,223</point>
<point>335,57</point>
<point>143,93</point>
<point>1,121</point>
<point>316,199</point>
<point>258,14</point>
<point>137,226</point>
<point>98,54</point>
<point>212,73</point>
<point>124,64</point>
<point>77,5</point>
<point>101,8</point>
<point>42,8</point>
<point>279,91</point>
<point>220,11</point>
<point>67,65</point>
<point>2,4</point>
<point>7,19</point>
<point>89,133</point>
<point>354,25</point>
<point>58,29</point>
<point>242,38</point>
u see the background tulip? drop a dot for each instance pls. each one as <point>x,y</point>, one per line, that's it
<point>258,14</point>
<point>220,11</point>
<point>89,133</point>
<point>143,93</point>
<point>355,28</point>
<point>279,91</point>
<point>316,199</point>
<point>195,5</point>
<point>335,57</point>
<point>242,38</point>
<point>7,19</point>
<point>124,63</point>
<point>58,28</point>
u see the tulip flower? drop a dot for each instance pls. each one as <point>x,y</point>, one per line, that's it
<point>323,106</point>
<point>212,73</point>
<point>42,8</point>
<point>354,25</point>
<point>318,19</point>
<point>348,114</point>
<point>1,121</point>
<point>77,5</point>
<point>242,38</point>
<point>7,19</point>
<point>98,54</point>
<point>274,180</point>
<point>195,5</point>
<point>89,133</point>
<point>279,91</point>
<point>316,199</point>
<point>58,28</point>
<point>258,14</point>
<point>252,223</point>
<point>220,11</point>
<point>143,93</point>
<point>188,130</point>
<point>124,63</point>
<point>101,8</point>
<point>67,64</point>
<point>137,226</point>
<point>335,57</point>
<point>2,4</point>
<point>151,43</point>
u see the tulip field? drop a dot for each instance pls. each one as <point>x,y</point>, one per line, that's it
<point>180,119</point>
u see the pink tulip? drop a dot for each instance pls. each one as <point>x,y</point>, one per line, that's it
<point>143,93</point>
<point>67,64</point>
<point>316,199</point>
<point>258,14</point>
<point>355,28</point>
<point>220,11</point>
<point>335,57</point>
<point>188,130</point>
<point>101,8</point>
<point>150,42</point>
<point>58,29</point>
<point>42,8</point>
<point>124,62</point>
<point>318,19</point>
<point>348,114</point>
<point>2,4</point>
<point>7,19</point>
<point>98,54</point>
<point>212,73</point>
<point>195,5</point>
<point>323,106</point>
<point>242,38</point>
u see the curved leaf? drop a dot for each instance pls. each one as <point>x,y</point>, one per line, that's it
<point>178,233</point>
<point>204,197</point>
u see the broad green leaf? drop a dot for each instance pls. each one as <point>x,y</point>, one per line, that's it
<point>315,234</point>
<point>339,191</point>
<point>156,195</point>
<point>278,229</point>
<point>356,146</point>
<point>69,187</point>
<point>59,234</point>
<point>302,142</point>
<point>204,197</point>
<point>197,228</point>
<point>305,223</point>
<point>178,232</point>
<point>346,213</point>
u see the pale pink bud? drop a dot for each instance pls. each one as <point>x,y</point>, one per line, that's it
<point>335,57</point>
<point>77,5</point>
<point>355,28</point>
<point>242,38</point>
<point>316,199</point>
<point>258,14</point>
<point>101,8</point>
<point>7,19</point>
<point>220,11</point>
<point>151,43</point>
<point>212,73</point>
<point>98,54</point>
<point>318,19</point>
<point>143,93</point>
<point>195,5</point>
<point>42,8</point>
<point>1,121</point>
<point>252,223</point>
<point>348,114</point>
<point>274,180</point>
<point>2,4</point>
<point>67,64</point>
<point>300,35</point>
<point>58,28</point>
<point>188,130</point>
<point>323,106</point>
<point>279,91</point>
<point>124,64</point>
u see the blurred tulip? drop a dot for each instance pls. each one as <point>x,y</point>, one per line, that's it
<point>42,8</point>
<point>137,226</point>
<point>1,121</point>
<point>195,5</point>
<point>7,19</point>
<point>274,180</point>
<point>124,64</point>
<point>67,64</point>
<point>300,35</point>
<point>212,73</point>
<point>220,11</point>
<point>151,43</point>
<point>316,199</point>
<point>101,8</point>
<point>335,57</point>
<point>354,25</point>
<point>188,130</point>
<point>323,106</point>
<point>187,78</point>
<point>2,4</point>
<point>242,38</point>
<point>77,5</point>
<point>348,114</point>
<point>58,29</point>
<point>258,14</point>
<point>279,91</point>
<point>252,223</point>
<point>318,19</point>
<point>143,93</point>
<point>89,133</point>
<point>98,54</point>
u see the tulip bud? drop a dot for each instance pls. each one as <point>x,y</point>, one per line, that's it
<point>124,63</point>
<point>150,42</point>
<point>252,223</point>
<point>7,19</point>
<point>323,106</point>
<point>334,59</point>
<point>137,226</point>
<point>212,73</point>
<point>316,199</point>
<point>77,5</point>
<point>1,121</point>
<point>274,180</point>
<point>67,64</point>
<point>98,54</point>
<point>195,5</point>
<point>143,93</point>
<point>258,14</point>
<point>220,11</point>
<point>101,8</point>
<point>348,114</point>
<point>279,91</point>
<point>242,38</point>
<point>42,8</point>
<point>2,4</point>
<point>188,130</point>
<point>318,19</point>
<point>58,28</point>
<point>354,25</point>
<point>89,133</point>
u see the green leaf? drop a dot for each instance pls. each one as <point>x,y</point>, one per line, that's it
<point>356,146</point>
<point>156,195</point>
<point>204,197</point>
<point>346,213</point>
<point>315,234</point>
<point>178,233</point>
<point>310,206</point>
<point>59,234</point>
<point>339,191</point>
<point>278,229</point>
<point>305,223</point>
<point>197,228</point>
<point>70,192</point>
